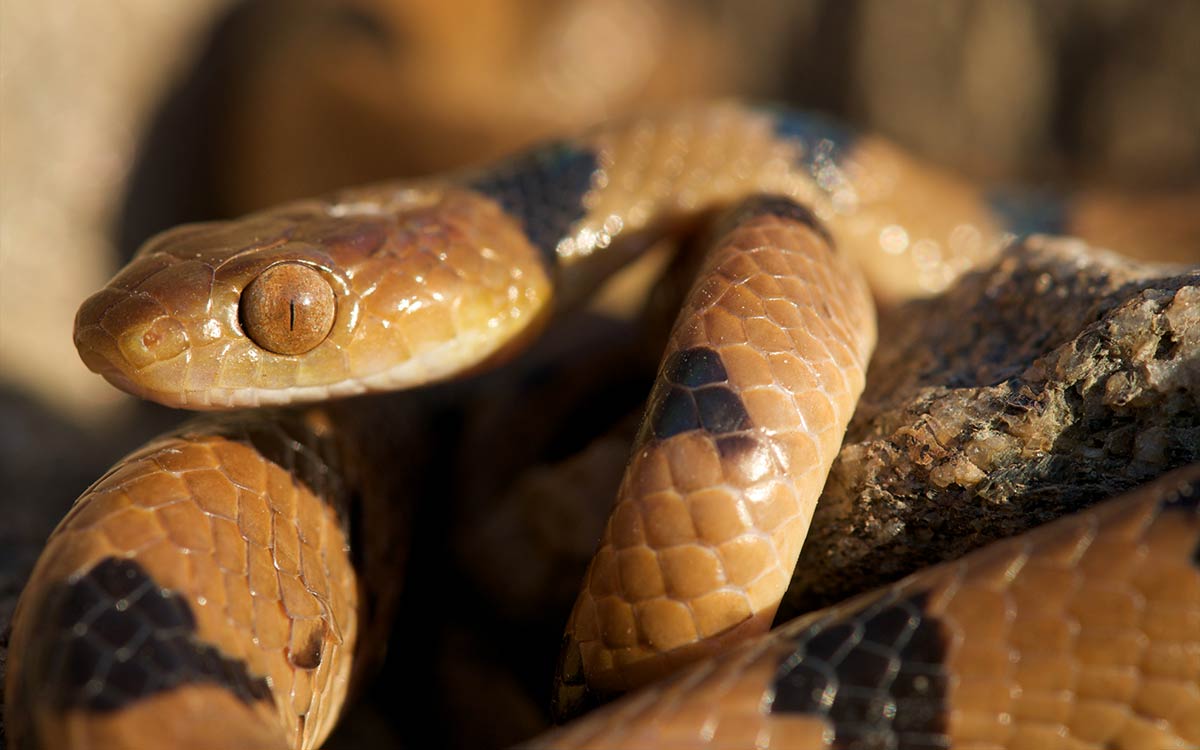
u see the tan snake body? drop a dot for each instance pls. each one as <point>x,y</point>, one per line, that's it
<point>200,577</point>
<point>1078,634</point>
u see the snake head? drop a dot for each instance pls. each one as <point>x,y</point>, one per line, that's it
<point>316,300</point>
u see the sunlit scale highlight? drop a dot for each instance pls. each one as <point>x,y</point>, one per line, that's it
<point>732,456</point>
<point>1080,635</point>
<point>660,171</point>
<point>200,564</point>
<point>416,300</point>
<point>436,277</point>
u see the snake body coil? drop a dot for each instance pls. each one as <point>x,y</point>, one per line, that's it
<point>1079,634</point>
<point>212,571</point>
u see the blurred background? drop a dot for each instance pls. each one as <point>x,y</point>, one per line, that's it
<point>122,118</point>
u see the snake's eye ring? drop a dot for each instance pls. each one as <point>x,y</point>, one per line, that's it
<point>288,309</point>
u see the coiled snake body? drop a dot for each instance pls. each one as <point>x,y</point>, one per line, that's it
<point>211,573</point>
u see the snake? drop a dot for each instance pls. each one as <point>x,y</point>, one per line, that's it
<point>218,587</point>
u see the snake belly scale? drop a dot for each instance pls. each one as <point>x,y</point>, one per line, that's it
<point>206,573</point>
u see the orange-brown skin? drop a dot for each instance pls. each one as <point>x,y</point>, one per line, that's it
<point>261,556</point>
<point>417,301</point>
<point>1082,634</point>
<point>434,278</point>
<point>169,327</point>
<point>708,523</point>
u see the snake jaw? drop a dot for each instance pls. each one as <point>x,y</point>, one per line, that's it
<point>138,346</point>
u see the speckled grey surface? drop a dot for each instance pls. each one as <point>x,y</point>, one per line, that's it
<point>1059,376</point>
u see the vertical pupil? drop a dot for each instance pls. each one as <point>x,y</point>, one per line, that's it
<point>288,309</point>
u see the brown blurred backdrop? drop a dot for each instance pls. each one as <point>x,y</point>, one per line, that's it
<point>121,118</point>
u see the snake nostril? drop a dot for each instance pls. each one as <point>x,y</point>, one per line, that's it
<point>163,339</point>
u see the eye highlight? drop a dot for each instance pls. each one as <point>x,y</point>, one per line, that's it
<point>288,309</point>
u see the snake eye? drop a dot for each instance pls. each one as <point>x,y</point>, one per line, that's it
<point>288,309</point>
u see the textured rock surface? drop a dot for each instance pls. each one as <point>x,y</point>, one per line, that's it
<point>1059,376</point>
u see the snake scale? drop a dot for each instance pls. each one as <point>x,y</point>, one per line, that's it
<point>223,570</point>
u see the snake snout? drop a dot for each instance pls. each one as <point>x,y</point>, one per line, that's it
<point>127,340</point>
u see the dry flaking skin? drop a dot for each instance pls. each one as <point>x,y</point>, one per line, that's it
<point>1058,375</point>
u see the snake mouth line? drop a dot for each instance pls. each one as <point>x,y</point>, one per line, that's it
<point>222,399</point>
<point>467,354</point>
